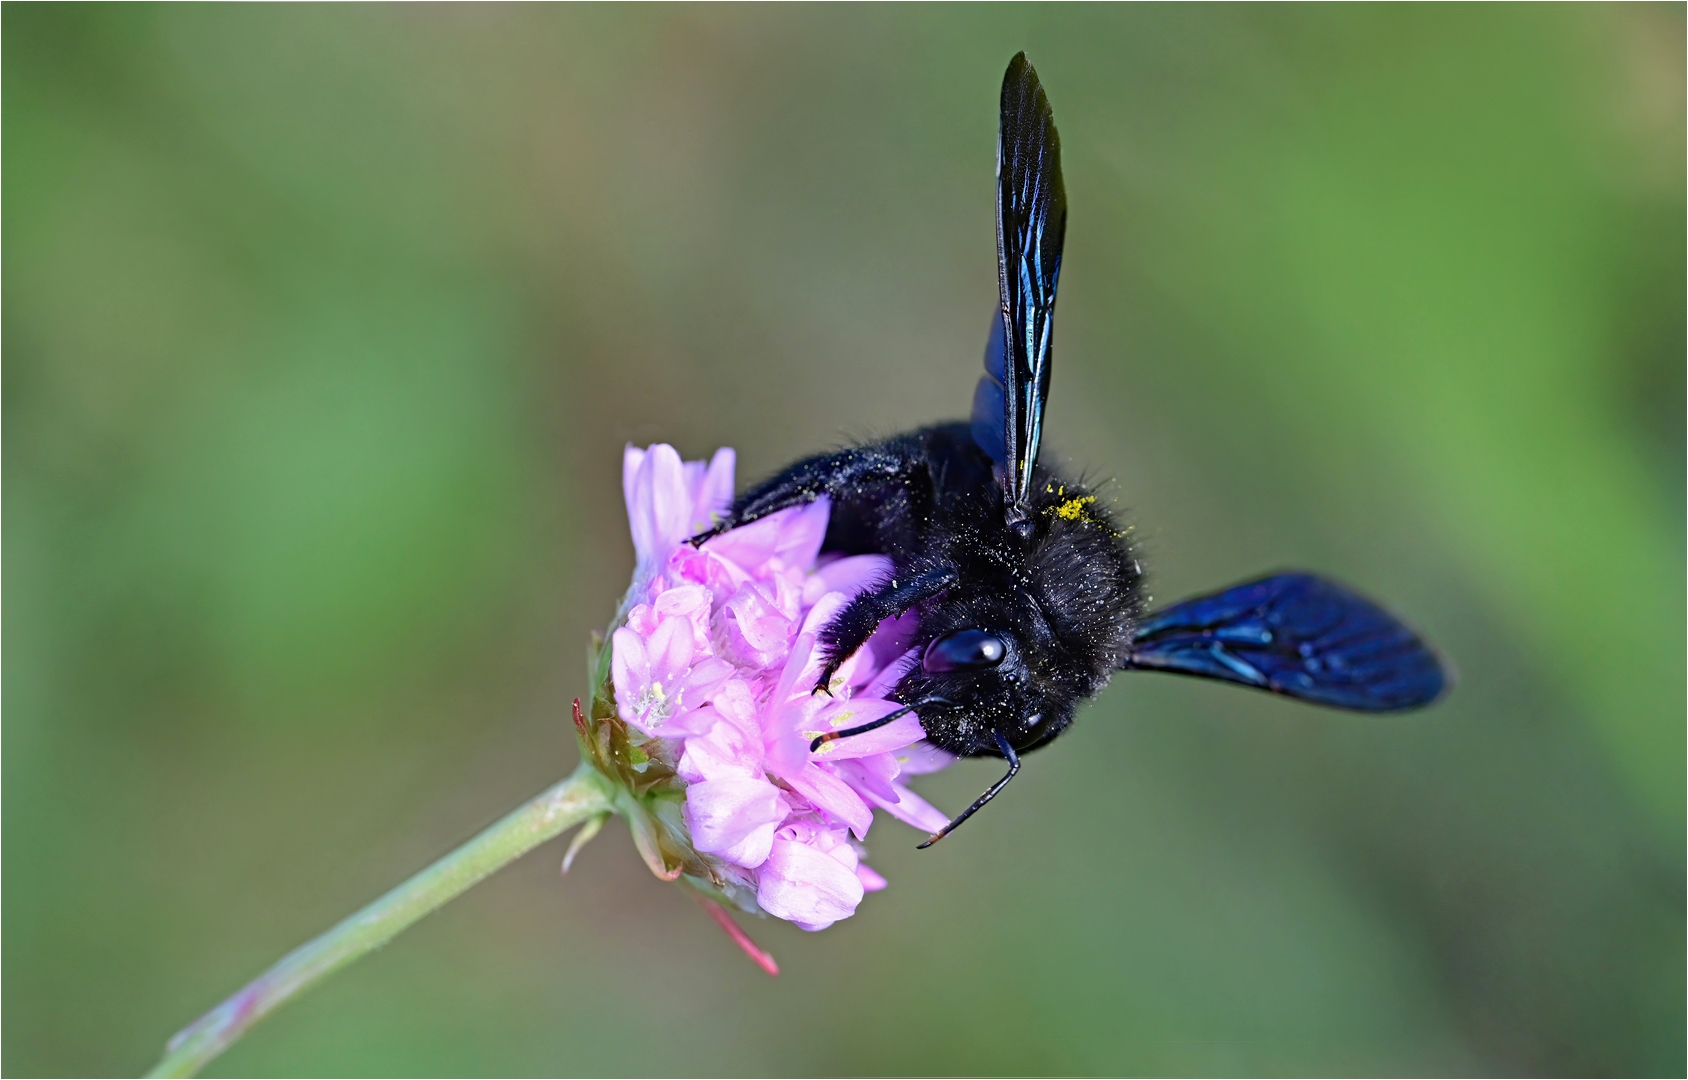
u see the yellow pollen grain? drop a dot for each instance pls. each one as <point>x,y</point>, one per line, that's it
<point>1073,509</point>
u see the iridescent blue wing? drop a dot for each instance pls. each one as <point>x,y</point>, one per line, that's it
<point>1031,223</point>
<point>988,407</point>
<point>1298,635</point>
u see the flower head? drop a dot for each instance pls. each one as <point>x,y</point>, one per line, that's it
<point>705,712</point>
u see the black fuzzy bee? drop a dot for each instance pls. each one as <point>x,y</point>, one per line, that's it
<point>1029,596</point>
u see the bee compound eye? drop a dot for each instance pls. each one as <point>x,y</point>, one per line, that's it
<point>964,650</point>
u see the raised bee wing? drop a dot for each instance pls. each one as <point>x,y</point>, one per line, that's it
<point>1031,223</point>
<point>1298,635</point>
<point>988,406</point>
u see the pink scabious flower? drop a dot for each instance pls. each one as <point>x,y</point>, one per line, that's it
<point>707,714</point>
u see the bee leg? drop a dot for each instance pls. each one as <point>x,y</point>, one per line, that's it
<point>887,464</point>
<point>850,628</point>
<point>873,725</point>
<point>990,792</point>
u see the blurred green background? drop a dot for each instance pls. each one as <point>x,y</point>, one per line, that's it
<point>325,327</point>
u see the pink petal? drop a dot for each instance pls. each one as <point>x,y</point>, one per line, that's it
<point>734,818</point>
<point>849,576</point>
<point>896,636</point>
<point>787,592</point>
<point>722,751</point>
<point>806,886</point>
<point>693,471</point>
<point>631,458</point>
<point>715,495</point>
<point>832,795</point>
<point>803,532</point>
<point>702,681</point>
<point>797,663</point>
<point>786,734</point>
<point>689,602</point>
<point>629,662</point>
<point>858,668</point>
<point>660,508</point>
<point>802,668</point>
<point>824,611</point>
<point>911,808</point>
<point>640,511</point>
<point>893,673</point>
<point>871,881</point>
<point>642,620</point>
<point>870,777</point>
<point>629,672</point>
<point>923,757</point>
<point>670,651</point>
<point>691,722</point>
<point>736,702</point>
<point>857,711</point>
<point>756,633</point>
<point>750,546</point>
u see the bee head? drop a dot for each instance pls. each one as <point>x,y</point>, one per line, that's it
<point>982,676</point>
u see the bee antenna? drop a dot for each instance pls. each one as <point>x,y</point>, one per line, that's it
<point>990,792</point>
<point>822,740</point>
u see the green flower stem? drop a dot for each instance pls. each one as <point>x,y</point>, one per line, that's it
<point>583,797</point>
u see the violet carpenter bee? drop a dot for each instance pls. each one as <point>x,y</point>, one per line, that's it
<point>1028,594</point>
